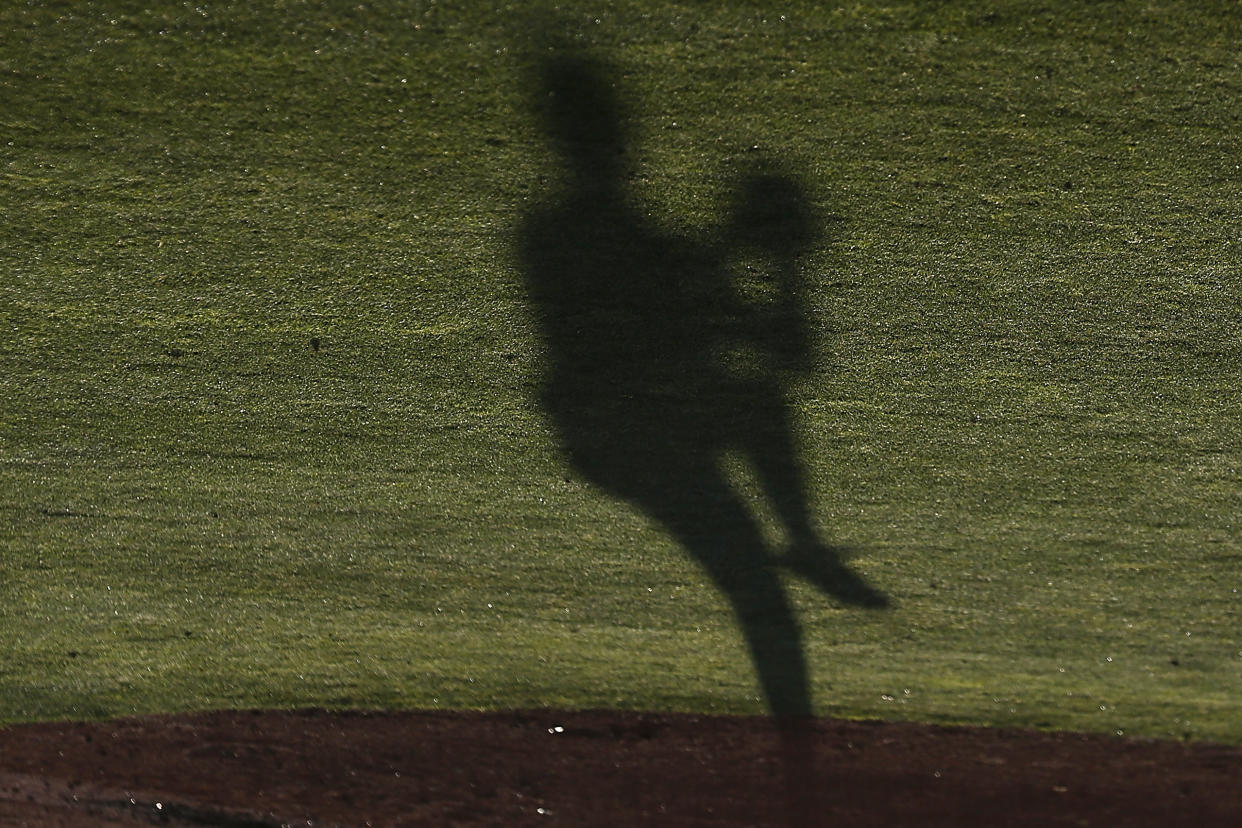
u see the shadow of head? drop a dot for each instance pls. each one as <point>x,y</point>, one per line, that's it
<point>581,113</point>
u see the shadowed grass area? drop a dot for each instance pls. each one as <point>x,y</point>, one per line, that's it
<point>270,433</point>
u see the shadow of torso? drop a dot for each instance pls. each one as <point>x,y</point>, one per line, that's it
<point>634,327</point>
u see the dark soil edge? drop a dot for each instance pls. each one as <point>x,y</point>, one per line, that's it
<point>543,767</point>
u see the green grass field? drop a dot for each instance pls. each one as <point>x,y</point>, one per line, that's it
<point>1025,415</point>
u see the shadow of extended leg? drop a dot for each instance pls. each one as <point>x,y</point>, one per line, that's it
<point>714,526</point>
<point>775,642</point>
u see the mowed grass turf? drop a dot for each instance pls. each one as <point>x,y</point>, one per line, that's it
<point>269,432</point>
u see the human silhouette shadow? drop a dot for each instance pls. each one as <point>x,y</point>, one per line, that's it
<point>666,353</point>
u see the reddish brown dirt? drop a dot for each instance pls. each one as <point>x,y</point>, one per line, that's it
<point>600,768</point>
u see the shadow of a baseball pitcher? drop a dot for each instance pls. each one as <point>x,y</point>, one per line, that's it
<point>665,353</point>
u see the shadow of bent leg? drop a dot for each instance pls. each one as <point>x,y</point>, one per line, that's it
<point>822,565</point>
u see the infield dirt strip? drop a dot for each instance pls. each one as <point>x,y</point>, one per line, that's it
<point>318,768</point>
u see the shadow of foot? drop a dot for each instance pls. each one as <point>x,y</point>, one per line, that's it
<point>822,566</point>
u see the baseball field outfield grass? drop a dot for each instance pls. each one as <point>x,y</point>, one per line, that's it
<point>270,430</point>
